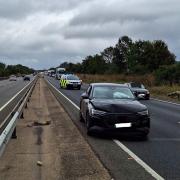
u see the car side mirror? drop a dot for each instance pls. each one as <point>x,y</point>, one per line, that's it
<point>85,96</point>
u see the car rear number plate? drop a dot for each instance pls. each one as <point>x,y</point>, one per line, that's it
<point>122,125</point>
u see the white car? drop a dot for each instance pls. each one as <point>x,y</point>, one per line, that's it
<point>12,78</point>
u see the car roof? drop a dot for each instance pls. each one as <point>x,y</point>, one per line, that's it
<point>134,82</point>
<point>108,84</point>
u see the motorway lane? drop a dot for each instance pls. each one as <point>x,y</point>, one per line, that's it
<point>9,88</point>
<point>161,151</point>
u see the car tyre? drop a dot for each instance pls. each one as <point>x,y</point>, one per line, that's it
<point>81,119</point>
<point>89,124</point>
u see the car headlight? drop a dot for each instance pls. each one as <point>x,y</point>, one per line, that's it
<point>94,112</point>
<point>143,113</point>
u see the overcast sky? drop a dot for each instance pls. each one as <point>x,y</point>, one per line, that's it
<point>45,33</point>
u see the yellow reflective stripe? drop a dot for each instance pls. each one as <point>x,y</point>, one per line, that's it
<point>62,82</point>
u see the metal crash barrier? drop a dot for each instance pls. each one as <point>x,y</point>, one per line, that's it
<point>11,112</point>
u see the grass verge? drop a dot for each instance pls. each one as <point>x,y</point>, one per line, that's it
<point>160,92</point>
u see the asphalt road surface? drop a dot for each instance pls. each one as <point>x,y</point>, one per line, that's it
<point>9,88</point>
<point>58,147</point>
<point>160,151</point>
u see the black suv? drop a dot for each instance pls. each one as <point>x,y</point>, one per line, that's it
<point>27,78</point>
<point>139,90</point>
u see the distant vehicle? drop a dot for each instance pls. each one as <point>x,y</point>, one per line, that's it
<point>46,73</point>
<point>51,73</point>
<point>12,78</point>
<point>34,73</point>
<point>60,72</point>
<point>109,107</point>
<point>19,75</point>
<point>26,78</point>
<point>139,90</point>
<point>70,81</point>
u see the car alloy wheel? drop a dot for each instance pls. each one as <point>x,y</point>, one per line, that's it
<point>89,124</point>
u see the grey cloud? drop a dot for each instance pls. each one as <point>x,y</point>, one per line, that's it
<point>18,9</point>
<point>45,33</point>
<point>51,29</point>
<point>106,31</point>
<point>121,11</point>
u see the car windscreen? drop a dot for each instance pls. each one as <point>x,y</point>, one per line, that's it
<point>112,92</point>
<point>137,85</point>
<point>61,72</point>
<point>72,78</point>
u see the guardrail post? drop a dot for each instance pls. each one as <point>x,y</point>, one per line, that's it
<point>14,136</point>
<point>22,115</point>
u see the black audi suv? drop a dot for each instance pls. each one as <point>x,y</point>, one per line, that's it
<point>109,107</point>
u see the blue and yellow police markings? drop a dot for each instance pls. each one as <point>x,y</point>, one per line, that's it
<point>63,83</point>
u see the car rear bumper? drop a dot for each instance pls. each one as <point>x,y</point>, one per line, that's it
<point>73,86</point>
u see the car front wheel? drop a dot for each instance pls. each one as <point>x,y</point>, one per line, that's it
<point>89,124</point>
<point>81,119</point>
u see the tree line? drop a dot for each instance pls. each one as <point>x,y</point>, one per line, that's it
<point>7,70</point>
<point>131,57</point>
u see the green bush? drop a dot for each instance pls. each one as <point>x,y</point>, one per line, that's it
<point>168,74</point>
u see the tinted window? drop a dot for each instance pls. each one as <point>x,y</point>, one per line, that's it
<point>112,92</point>
<point>72,78</point>
<point>136,85</point>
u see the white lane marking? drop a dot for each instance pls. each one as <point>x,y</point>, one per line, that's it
<point>13,97</point>
<point>169,102</point>
<point>122,146</point>
<point>165,139</point>
<point>138,160</point>
<point>63,95</point>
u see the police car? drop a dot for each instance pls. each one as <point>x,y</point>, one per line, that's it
<point>70,81</point>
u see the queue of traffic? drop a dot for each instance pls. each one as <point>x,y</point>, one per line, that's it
<point>110,107</point>
<point>70,81</point>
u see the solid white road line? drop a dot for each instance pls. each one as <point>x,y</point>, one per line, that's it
<point>139,161</point>
<point>169,102</point>
<point>1,108</point>
<point>122,146</point>
<point>63,95</point>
